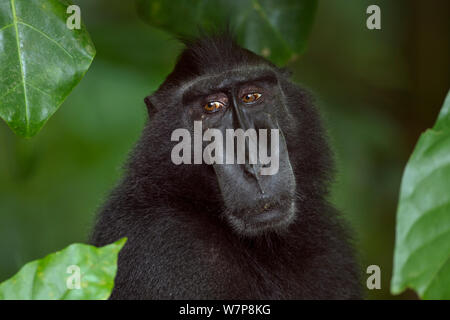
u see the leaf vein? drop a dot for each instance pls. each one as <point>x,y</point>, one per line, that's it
<point>258,8</point>
<point>22,71</point>
<point>48,37</point>
<point>7,26</point>
<point>40,90</point>
<point>424,245</point>
<point>433,277</point>
<point>9,91</point>
<point>425,214</point>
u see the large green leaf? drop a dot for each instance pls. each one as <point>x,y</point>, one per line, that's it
<point>422,251</point>
<point>41,61</point>
<point>277,29</point>
<point>47,278</point>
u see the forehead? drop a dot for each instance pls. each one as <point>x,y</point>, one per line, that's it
<point>228,79</point>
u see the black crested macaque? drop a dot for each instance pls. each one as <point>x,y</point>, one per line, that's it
<point>227,231</point>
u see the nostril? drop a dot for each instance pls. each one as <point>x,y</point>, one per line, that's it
<point>252,171</point>
<point>249,171</point>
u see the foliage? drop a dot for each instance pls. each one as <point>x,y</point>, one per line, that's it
<point>276,29</point>
<point>41,61</point>
<point>47,278</point>
<point>51,185</point>
<point>81,150</point>
<point>422,252</point>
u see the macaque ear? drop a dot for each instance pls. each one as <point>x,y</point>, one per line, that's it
<point>150,106</point>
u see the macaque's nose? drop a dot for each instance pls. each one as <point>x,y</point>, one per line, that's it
<point>250,169</point>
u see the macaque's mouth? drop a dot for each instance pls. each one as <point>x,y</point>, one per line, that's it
<point>270,217</point>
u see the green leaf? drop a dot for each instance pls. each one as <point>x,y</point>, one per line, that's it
<point>41,61</point>
<point>443,121</point>
<point>422,250</point>
<point>49,278</point>
<point>276,29</point>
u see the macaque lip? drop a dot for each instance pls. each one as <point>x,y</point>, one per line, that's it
<point>271,216</point>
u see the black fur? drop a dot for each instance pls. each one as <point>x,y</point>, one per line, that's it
<point>179,244</point>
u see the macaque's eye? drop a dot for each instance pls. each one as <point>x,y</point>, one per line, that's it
<point>251,97</point>
<point>213,106</point>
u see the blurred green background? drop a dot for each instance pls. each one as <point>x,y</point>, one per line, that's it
<point>377,90</point>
